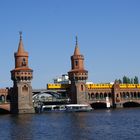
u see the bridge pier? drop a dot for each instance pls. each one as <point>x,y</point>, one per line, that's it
<point>118,105</point>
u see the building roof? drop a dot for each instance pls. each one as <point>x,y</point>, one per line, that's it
<point>76,51</point>
<point>21,51</point>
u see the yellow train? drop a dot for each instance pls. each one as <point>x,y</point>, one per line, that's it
<point>57,86</point>
<point>92,86</point>
<point>138,85</point>
<point>95,86</point>
<point>129,85</point>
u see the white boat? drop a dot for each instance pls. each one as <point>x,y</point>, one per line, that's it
<point>47,108</point>
<point>78,108</point>
<point>67,108</point>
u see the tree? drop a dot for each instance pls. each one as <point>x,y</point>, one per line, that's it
<point>136,80</point>
<point>132,81</point>
<point>120,81</point>
<point>126,80</point>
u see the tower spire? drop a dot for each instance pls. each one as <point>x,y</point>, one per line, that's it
<point>20,33</point>
<point>76,40</point>
<point>76,51</point>
<point>21,51</point>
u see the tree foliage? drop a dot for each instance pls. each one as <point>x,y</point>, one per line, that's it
<point>127,80</point>
<point>136,80</point>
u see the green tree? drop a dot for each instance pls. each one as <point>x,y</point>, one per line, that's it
<point>120,81</point>
<point>124,80</point>
<point>136,80</point>
<point>128,80</point>
<point>132,81</point>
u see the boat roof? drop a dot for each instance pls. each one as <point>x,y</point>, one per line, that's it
<point>77,105</point>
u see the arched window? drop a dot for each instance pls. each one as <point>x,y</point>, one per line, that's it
<point>2,98</point>
<point>127,94</point>
<point>82,87</point>
<point>132,95</point>
<point>105,95</point>
<point>23,62</point>
<point>109,95</point>
<point>76,62</point>
<point>24,88</point>
<point>97,95</point>
<point>92,95</point>
<point>101,95</point>
<point>135,95</point>
<point>121,94</point>
<point>138,94</point>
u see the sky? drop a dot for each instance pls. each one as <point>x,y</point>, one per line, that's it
<point>108,36</point>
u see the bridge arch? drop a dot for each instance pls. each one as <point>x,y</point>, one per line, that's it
<point>98,105</point>
<point>2,98</point>
<point>131,104</point>
<point>4,111</point>
<point>5,108</point>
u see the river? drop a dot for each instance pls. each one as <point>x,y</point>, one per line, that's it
<point>118,124</point>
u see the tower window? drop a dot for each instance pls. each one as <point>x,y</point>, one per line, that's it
<point>23,62</point>
<point>24,88</point>
<point>76,63</point>
<point>82,87</point>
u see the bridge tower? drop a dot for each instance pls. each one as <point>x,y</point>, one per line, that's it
<point>21,94</point>
<point>78,76</point>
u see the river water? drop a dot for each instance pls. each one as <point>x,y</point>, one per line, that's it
<point>118,124</point>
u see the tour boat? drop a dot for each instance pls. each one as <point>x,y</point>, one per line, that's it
<point>47,108</point>
<point>67,108</point>
<point>78,108</point>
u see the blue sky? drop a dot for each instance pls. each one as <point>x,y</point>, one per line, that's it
<point>108,35</point>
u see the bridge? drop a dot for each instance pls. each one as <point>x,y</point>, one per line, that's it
<point>5,107</point>
<point>4,101</point>
<point>120,95</point>
<point>37,91</point>
<point>97,102</point>
<point>49,97</point>
<point>57,96</point>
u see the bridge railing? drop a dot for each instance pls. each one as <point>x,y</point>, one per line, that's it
<point>4,102</point>
<point>131,98</point>
<point>53,100</point>
<point>97,99</point>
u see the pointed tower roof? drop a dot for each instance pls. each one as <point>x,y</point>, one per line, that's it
<point>76,51</point>
<point>21,51</point>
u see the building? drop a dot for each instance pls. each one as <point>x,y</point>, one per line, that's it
<point>21,75</point>
<point>80,91</point>
<point>18,99</point>
<point>64,79</point>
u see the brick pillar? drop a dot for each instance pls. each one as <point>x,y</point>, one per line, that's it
<point>116,96</point>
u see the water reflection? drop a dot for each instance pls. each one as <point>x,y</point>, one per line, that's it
<point>77,126</point>
<point>21,127</point>
<point>117,124</point>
